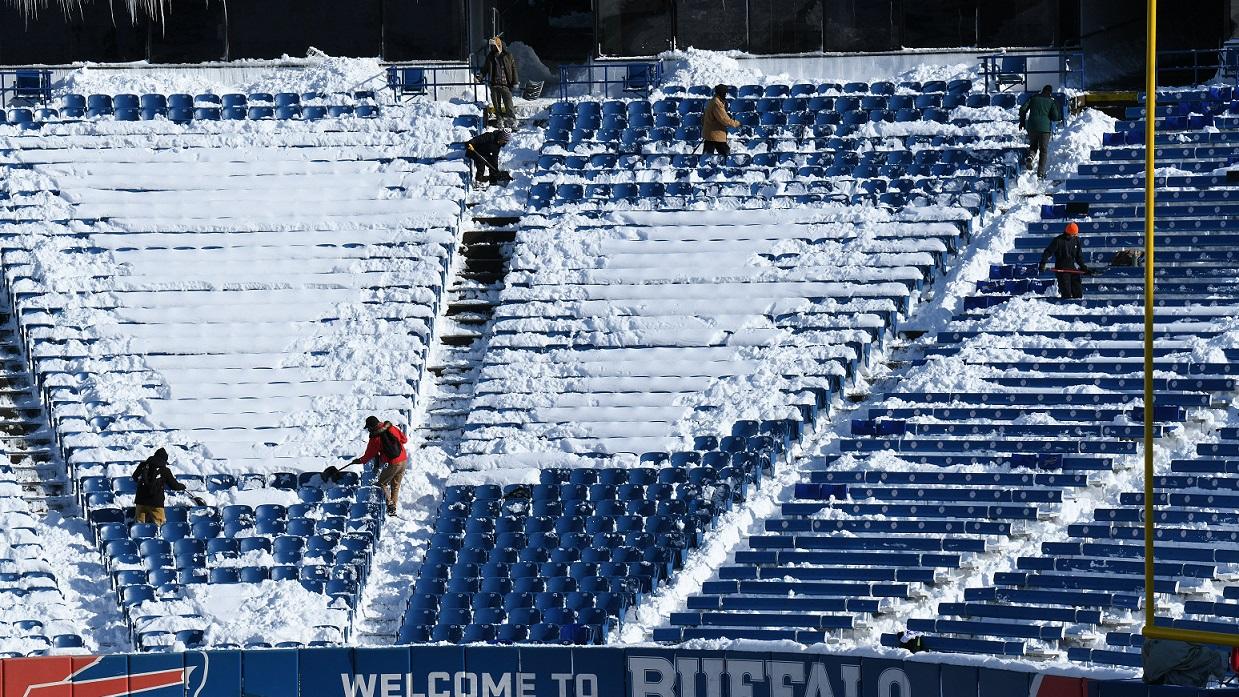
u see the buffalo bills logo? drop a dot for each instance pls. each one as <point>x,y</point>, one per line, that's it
<point>98,676</point>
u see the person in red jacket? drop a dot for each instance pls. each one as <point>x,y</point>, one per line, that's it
<point>386,450</point>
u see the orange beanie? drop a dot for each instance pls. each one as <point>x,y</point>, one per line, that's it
<point>1072,229</point>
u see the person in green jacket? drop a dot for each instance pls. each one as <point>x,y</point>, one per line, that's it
<point>1035,117</point>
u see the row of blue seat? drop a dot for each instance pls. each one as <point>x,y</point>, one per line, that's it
<point>26,118</point>
<point>825,154</point>
<point>1211,93</point>
<point>823,124</point>
<point>638,114</point>
<point>805,89</point>
<point>1183,108</point>
<point>214,483</point>
<point>153,100</point>
<point>546,194</point>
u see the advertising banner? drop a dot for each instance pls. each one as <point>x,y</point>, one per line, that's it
<point>533,671</point>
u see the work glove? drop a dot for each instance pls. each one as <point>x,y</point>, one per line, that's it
<point>468,147</point>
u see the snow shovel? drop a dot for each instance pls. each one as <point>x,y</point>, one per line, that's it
<point>1090,272</point>
<point>332,473</point>
<point>499,176</point>
<point>197,500</point>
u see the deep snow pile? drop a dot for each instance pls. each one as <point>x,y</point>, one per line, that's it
<point>37,610</point>
<point>241,293</point>
<point>692,66</point>
<point>320,74</point>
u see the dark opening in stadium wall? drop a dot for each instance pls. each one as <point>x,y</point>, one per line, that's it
<point>42,32</point>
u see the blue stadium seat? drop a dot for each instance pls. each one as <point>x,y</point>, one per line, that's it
<point>225,575</point>
<point>73,106</point>
<point>126,101</point>
<point>284,572</point>
<point>960,86</point>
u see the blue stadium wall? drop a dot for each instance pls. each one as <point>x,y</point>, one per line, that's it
<point>453,671</point>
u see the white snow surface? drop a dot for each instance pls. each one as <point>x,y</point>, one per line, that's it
<point>683,300</point>
<point>694,66</point>
<point>242,294</point>
<point>323,74</point>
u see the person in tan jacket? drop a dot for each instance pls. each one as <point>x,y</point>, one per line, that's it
<point>715,122</point>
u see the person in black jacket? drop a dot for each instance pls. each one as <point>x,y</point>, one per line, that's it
<point>1069,266</point>
<point>152,477</point>
<point>483,152</point>
<point>499,71</point>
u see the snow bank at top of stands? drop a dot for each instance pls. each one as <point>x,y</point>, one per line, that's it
<point>416,129</point>
<point>528,65</point>
<point>324,74</point>
<point>694,66</point>
<point>928,72</point>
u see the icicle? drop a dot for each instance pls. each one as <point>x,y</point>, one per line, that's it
<point>155,10</point>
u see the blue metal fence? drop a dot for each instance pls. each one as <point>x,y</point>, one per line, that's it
<point>26,86</point>
<point>409,80</point>
<point>1203,65</point>
<point>597,79</point>
<point>1005,71</point>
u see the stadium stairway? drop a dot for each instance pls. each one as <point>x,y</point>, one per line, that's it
<point>1000,479</point>
<point>463,331</point>
<point>32,455</point>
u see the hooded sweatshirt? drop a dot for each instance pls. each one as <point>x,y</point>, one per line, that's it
<point>153,477</point>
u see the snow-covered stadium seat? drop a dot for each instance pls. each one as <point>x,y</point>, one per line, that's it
<point>244,302</point>
<point>935,481</point>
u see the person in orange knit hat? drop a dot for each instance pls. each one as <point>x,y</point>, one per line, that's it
<point>1069,266</point>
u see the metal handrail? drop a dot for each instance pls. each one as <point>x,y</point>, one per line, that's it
<point>1068,74</point>
<point>11,81</point>
<point>1214,62</point>
<point>636,77</point>
<point>431,80</point>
